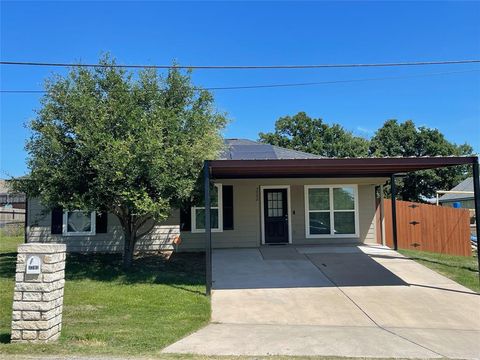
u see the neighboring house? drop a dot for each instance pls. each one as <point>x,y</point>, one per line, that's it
<point>12,210</point>
<point>9,198</point>
<point>263,194</point>
<point>465,200</point>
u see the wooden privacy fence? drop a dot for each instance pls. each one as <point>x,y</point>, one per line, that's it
<point>431,228</point>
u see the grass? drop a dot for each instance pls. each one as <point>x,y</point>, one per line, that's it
<point>462,269</point>
<point>111,311</point>
<point>8,244</point>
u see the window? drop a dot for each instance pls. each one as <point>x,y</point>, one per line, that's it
<point>216,213</point>
<point>78,222</point>
<point>331,211</point>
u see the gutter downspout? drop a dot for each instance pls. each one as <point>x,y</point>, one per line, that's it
<point>382,216</point>
<point>208,229</point>
<point>394,211</point>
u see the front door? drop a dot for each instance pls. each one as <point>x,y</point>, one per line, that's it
<point>275,212</point>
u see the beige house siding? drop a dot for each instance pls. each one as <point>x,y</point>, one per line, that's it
<point>38,230</point>
<point>247,214</point>
<point>247,221</point>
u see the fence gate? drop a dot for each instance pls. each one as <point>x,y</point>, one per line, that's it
<point>432,228</point>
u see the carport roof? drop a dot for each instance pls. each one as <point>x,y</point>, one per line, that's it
<point>330,167</point>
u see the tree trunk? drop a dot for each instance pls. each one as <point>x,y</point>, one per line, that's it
<point>129,244</point>
<point>131,231</point>
<point>127,253</point>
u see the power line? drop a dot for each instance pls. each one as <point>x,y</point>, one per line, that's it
<point>340,81</point>
<point>290,84</point>
<point>241,67</point>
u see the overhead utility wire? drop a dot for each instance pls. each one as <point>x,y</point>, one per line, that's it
<point>243,67</point>
<point>289,84</point>
<point>340,81</point>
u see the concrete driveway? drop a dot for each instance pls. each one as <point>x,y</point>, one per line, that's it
<point>334,301</point>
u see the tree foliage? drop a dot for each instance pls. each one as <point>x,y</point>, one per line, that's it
<point>393,139</point>
<point>303,133</point>
<point>406,140</point>
<point>110,141</point>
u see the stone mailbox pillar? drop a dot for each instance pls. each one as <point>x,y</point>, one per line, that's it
<point>38,296</point>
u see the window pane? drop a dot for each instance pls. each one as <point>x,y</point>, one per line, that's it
<point>214,218</point>
<point>344,222</point>
<point>78,221</point>
<point>343,198</point>
<point>319,223</point>
<point>213,198</point>
<point>200,218</point>
<point>318,199</point>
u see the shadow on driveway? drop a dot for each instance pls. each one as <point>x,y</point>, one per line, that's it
<point>285,267</point>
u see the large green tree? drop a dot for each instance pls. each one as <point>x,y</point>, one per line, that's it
<point>303,133</point>
<point>407,140</point>
<point>130,144</point>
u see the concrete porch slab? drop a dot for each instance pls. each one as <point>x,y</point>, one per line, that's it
<point>281,253</point>
<point>354,269</point>
<point>246,269</point>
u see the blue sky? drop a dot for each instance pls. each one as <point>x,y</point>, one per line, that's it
<point>266,33</point>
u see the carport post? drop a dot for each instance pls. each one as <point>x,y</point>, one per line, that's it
<point>476,195</point>
<point>393,190</point>
<point>208,228</point>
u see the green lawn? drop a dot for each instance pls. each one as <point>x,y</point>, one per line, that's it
<point>461,269</point>
<point>8,244</point>
<point>110,311</point>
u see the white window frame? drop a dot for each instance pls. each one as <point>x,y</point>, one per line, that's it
<point>65,231</point>
<point>331,211</point>
<point>220,213</point>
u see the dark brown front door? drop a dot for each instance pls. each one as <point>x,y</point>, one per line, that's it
<point>275,216</point>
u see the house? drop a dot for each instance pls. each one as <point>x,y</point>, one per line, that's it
<point>12,209</point>
<point>10,198</point>
<point>262,195</point>
<point>459,196</point>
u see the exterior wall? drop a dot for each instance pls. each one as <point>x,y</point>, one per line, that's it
<point>247,221</point>
<point>39,222</point>
<point>464,203</point>
<point>247,214</point>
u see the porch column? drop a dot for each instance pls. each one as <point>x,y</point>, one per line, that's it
<point>208,228</point>
<point>476,195</point>
<point>393,190</point>
<point>382,216</point>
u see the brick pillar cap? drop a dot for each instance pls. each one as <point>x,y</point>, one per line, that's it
<point>33,248</point>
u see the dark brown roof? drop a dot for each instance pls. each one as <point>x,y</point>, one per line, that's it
<point>330,167</point>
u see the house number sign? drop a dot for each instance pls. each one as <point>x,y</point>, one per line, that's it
<point>34,265</point>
